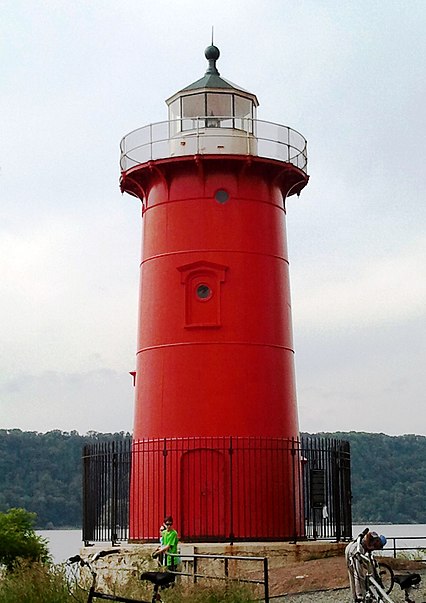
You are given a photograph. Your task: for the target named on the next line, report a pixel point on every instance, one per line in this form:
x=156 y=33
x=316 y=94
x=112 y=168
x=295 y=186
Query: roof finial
x=212 y=34
x=212 y=54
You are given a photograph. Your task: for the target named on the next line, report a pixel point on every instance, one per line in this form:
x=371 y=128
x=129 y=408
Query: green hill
x=388 y=477
x=41 y=472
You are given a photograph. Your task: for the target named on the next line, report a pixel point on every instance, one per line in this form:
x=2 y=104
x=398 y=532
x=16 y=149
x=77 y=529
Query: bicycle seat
x=159 y=578
x=407 y=580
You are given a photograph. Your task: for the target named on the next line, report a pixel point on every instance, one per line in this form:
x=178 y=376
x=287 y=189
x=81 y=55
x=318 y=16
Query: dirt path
x=331 y=574
x=318 y=574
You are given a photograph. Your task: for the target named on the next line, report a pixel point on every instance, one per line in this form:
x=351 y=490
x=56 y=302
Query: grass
x=207 y=591
x=212 y=593
x=41 y=583
x=36 y=583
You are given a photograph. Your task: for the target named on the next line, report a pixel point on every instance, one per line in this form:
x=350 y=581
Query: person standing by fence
x=169 y=544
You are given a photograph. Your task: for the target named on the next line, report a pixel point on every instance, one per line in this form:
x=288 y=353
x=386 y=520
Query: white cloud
x=78 y=76
x=369 y=292
x=98 y=400
x=66 y=298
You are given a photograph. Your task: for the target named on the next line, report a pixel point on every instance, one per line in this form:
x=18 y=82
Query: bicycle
x=380 y=579
x=160 y=580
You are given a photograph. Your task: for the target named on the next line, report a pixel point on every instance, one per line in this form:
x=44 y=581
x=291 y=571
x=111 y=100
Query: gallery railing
x=319 y=468
x=213 y=135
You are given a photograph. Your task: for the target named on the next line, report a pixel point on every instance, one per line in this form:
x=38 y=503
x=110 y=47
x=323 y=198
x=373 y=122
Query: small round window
x=203 y=291
x=221 y=196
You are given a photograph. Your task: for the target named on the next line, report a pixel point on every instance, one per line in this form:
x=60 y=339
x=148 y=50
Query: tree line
x=42 y=473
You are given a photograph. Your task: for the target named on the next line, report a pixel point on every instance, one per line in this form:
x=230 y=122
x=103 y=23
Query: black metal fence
x=320 y=471
x=106 y=487
x=327 y=488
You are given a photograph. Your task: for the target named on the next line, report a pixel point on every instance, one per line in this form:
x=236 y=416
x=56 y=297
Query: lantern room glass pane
x=243 y=107
x=219 y=104
x=174 y=115
x=193 y=106
x=174 y=109
x=244 y=114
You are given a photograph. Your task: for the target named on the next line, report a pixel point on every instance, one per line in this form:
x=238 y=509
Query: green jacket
x=170 y=538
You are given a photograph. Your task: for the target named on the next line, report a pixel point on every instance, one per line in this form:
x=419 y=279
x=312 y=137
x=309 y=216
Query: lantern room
x=212 y=103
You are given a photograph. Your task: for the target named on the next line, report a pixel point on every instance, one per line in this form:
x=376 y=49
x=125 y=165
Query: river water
x=65 y=543
x=62 y=543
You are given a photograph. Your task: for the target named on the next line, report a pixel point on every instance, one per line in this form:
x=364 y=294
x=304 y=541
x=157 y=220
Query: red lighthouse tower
x=215 y=410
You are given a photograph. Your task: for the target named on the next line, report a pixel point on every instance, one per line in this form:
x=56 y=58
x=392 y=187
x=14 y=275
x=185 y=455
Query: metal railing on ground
x=416 y=549
x=193 y=561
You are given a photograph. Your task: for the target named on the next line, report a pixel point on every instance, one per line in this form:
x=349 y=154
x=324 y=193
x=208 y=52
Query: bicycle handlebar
x=74 y=559
x=100 y=554
x=94 y=557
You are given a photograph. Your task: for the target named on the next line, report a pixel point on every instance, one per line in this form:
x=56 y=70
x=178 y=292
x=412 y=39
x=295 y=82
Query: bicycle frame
x=93 y=594
x=374 y=590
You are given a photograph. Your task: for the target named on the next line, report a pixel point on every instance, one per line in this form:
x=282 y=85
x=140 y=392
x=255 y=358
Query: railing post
x=266 y=579
x=288 y=144
x=150 y=141
x=248 y=139
x=198 y=135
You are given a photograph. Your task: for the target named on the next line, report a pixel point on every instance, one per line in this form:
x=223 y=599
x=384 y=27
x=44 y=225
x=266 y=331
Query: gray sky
x=77 y=76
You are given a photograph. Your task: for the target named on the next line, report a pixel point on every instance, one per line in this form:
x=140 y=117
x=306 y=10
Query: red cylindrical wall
x=215 y=349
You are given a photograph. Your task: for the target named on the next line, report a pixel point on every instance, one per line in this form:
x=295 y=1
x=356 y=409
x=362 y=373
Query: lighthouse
x=215 y=423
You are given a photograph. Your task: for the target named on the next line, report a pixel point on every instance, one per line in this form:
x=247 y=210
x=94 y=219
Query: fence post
x=114 y=483
x=88 y=499
x=231 y=494
x=338 y=490
x=165 y=478
x=293 y=456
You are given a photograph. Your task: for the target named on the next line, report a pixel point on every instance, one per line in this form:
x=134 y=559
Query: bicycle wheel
x=386 y=576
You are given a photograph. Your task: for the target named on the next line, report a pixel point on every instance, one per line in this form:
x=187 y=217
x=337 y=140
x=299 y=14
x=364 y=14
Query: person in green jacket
x=169 y=544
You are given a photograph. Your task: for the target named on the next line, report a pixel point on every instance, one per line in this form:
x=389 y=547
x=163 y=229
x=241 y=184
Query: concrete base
x=278 y=553
x=134 y=558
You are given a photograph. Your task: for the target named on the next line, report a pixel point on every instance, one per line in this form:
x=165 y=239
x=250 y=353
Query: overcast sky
x=77 y=76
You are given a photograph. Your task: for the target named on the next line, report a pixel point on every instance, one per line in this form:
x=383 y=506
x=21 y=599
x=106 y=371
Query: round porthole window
x=203 y=292
x=221 y=196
